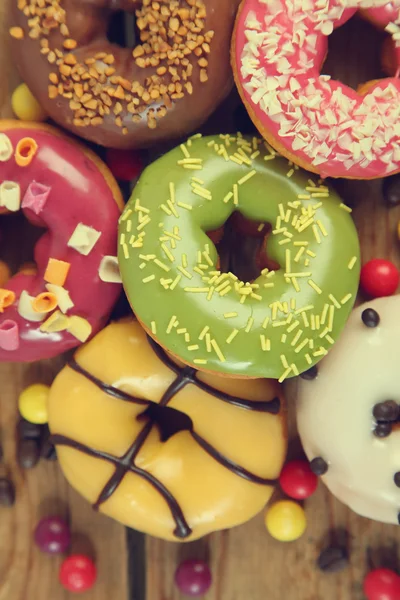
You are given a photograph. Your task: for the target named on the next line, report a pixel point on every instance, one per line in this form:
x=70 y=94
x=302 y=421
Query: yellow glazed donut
x=159 y=446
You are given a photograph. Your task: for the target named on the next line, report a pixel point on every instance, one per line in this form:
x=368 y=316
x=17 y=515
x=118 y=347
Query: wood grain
x=25 y=573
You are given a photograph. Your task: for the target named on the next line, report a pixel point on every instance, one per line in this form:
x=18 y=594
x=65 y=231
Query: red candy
x=78 y=573
x=382 y=584
x=52 y=535
x=193 y=577
x=379 y=278
x=297 y=480
x=125 y=165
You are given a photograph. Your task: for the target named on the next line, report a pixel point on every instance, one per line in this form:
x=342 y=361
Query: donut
x=165 y=87
x=275 y=326
x=134 y=436
x=322 y=125
x=348 y=411
x=60 y=186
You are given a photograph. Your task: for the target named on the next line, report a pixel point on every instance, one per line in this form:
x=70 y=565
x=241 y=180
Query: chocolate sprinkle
x=396 y=478
x=319 y=466
x=184 y=376
x=370 y=317
x=310 y=374
x=382 y=430
x=387 y=411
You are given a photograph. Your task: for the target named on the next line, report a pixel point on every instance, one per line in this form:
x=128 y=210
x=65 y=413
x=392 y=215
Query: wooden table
x=247 y=564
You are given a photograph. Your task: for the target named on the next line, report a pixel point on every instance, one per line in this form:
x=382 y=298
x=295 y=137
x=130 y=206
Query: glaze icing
x=278 y=325
x=63 y=186
x=135 y=464
x=279 y=49
x=336 y=412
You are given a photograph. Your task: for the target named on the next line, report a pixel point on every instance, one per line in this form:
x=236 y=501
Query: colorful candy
x=382 y=584
x=297 y=480
x=32 y=403
x=286 y=521
x=25 y=105
x=379 y=278
x=78 y=573
x=52 y=535
x=193 y=578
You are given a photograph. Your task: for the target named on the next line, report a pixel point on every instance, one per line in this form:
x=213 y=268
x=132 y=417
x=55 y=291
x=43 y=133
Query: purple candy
x=193 y=577
x=52 y=535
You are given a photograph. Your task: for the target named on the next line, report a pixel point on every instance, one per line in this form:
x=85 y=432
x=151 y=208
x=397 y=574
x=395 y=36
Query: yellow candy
x=286 y=521
x=32 y=403
x=25 y=105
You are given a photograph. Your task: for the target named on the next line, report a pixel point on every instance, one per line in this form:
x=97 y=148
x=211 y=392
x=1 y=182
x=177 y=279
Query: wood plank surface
x=26 y=573
x=246 y=563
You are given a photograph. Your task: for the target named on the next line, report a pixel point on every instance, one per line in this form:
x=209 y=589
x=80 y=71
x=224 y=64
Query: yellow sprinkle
x=299 y=253
x=320 y=352
x=193 y=347
x=265 y=323
x=281 y=211
x=190 y=161
x=247 y=177
x=334 y=301
x=293 y=326
x=293 y=303
x=316 y=234
x=196 y=290
x=142 y=265
x=126 y=215
x=346 y=298
x=344 y=207
x=290 y=173
x=235 y=194
x=171 y=323
x=168 y=253
x=228 y=197
x=255 y=154
x=284 y=375
x=181 y=330
x=256 y=297
x=303 y=196
x=268 y=285
x=299 y=274
x=279 y=323
x=307 y=262
x=203 y=332
x=143 y=224
x=129 y=226
x=236 y=160
x=331 y=316
x=301 y=346
x=314 y=286
x=284 y=361
x=308 y=359
x=185 y=151
x=232 y=336
x=324 y=313
x=305 y=319
x=208 y=259
x=300 y=243
x=311 y=253
x=197 y=180
x=217 y=350
x=295 y=284
x=352 y=262
x=165 y=209
x=198 y=270
x=270 y=274
x=175 y=282
x=200 y=361
x=172 y=209
x=230 y=315
x=225 y=291
x=324 y=332
x=185 y=272
x=202 y=193
x=283 y=338
x=153 y=327
x=288 y=260
x=149 y=278
x=183 y=205
x=243 y=299
x=294 y=369
x=297 y=337
x=122 y=239
x=285 y=241
x=269 y=157
x=322 y=228
x=330 y=339
x=312 y=318
x=126 y=251
x=210 y=293
x=161 y=265
x=311 y=344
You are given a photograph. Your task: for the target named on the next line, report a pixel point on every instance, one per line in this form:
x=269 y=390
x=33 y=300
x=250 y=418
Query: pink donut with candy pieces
x=66 y=189
x=322 y=125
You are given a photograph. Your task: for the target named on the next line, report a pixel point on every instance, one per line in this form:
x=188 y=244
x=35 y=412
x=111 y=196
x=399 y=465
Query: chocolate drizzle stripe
x=271 y=406
x=105 y=387
x=182 y=529
x=184 y=376
x=229 y=464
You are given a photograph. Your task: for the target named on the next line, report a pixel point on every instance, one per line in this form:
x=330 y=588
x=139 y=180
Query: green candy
x=277 y=326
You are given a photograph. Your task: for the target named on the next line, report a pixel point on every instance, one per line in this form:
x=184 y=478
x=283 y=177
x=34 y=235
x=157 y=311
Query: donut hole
x=17 y=241
x=343 y=58
x=242 y=248
x=168 y=421
x=122 y=30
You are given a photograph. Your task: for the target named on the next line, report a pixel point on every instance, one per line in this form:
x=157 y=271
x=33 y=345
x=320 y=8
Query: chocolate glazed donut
x=118 y=97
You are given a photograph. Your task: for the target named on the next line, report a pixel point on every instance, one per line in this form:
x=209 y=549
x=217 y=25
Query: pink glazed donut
x=61 y=186
x=320 y=124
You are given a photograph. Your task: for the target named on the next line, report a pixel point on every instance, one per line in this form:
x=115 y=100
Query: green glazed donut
x=277 y=326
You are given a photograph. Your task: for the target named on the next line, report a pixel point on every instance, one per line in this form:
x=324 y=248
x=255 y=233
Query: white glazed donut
x=348 y=412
